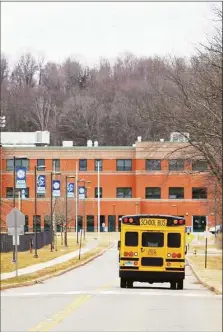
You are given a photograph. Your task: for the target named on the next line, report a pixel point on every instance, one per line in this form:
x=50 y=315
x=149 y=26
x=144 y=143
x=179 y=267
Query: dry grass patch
x=54 y=269
x=26 y=258
x=218 y=241
x=214 y=262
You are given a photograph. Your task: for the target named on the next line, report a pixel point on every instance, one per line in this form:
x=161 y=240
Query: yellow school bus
x=152 y=249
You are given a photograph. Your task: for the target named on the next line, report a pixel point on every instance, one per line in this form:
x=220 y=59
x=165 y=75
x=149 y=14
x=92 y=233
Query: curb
x=211 y=288
x=57 y=274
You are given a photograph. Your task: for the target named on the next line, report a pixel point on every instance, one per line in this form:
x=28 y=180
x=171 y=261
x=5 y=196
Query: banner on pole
x=56 y=188
x=23 y=193
x=70 y=189
x=41 y=184
x=81 y=192
x=20 y=178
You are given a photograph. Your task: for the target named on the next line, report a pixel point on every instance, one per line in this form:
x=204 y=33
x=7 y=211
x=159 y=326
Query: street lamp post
x=51 y=208
x=14 y=191
x=65 y=238
x=2 y=125
x=84 y=214
x=35 y=204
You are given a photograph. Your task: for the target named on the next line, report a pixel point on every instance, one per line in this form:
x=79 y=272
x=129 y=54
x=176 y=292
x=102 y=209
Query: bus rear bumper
x=152 y=276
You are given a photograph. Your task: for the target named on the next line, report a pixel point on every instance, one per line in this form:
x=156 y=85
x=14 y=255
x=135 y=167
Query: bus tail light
x=131 y=220
x=181 y=222
x=130 y=253
x=126 y=253
x=125 y=220
x=174 y=255
x=175 y=222
x=178 y=255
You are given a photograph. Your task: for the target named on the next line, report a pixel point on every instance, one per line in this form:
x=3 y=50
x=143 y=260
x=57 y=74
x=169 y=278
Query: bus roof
x=152 y=215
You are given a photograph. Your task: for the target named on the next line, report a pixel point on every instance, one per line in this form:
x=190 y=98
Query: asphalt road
x=90 y=299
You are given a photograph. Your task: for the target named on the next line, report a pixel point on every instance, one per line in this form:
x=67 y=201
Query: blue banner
x=81 y=192
x=41 y=184
x=70 y=189
x=20 y=177
x=56 y=188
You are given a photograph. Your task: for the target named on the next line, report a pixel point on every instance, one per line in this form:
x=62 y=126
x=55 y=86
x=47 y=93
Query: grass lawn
x=212 y=275
x=26 y=258
x=214 y=262
x=56 y=268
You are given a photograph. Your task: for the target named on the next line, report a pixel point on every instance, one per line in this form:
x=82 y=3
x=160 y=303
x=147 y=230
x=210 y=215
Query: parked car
x=217 y=229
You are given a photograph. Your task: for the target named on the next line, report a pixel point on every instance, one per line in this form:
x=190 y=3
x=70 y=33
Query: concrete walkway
x=36 y=267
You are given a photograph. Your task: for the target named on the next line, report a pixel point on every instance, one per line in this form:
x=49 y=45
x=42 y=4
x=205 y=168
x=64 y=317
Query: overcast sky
x=90 y=30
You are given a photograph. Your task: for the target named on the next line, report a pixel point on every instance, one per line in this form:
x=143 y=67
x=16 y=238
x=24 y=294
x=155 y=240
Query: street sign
x=15 y=220
x=17 y=241
x=15 y=216
x=20 y=230
x=190 y=238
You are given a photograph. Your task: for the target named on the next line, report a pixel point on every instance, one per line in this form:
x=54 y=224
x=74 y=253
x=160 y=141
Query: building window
x=40 y=195
x=153 y=164
x=153 y=192
x=47 y=223
x=199 y=165
x=96 y=164
x=199 y=223
x=124 y=164
x=26 y=226
x=38 y=223
x=90 y=223
x=83 y=164
x=96 y=192
x=56 y=165
x=23 y=162
x=124 y=192
x=9 y=192
x=9 y=164
x=111 y=223
x=176 y=193
x=176 y=165
x=40 y=162
x=199 y=193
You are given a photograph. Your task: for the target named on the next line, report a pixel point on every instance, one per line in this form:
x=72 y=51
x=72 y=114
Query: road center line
x=49 y=323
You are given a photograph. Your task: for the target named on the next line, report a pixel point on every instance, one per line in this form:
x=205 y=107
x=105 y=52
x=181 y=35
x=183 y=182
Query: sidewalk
x=211 y=276
x=37 y=267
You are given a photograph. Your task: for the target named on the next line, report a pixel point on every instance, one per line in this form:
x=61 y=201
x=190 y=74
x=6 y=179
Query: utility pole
x=98 y=201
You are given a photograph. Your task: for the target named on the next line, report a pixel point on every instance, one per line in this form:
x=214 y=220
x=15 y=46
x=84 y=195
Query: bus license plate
x=153 y=222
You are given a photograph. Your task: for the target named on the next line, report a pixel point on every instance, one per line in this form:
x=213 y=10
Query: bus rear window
x=131 y=239
x=152 y=239
x=173 y=240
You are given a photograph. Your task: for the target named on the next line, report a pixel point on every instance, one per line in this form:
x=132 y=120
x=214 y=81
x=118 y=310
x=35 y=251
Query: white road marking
x=133 y=292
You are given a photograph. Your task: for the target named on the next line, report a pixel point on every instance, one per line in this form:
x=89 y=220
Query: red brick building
x=148 y=177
